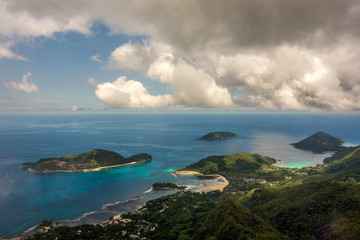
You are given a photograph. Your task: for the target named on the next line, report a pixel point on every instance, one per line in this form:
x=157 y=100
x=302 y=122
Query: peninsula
x=217 y=136
x=320 y=142
x=94 y=160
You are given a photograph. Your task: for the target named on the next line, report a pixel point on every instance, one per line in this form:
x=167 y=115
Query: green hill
x=320 y=142
x=347 y=159
x=217 y=136
x=96 y=159
x=313 y=210
x=233 y=221
x=238 y=162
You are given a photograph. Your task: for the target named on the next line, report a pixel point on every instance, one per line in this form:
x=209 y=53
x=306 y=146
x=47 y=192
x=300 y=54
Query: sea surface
x=26 y=198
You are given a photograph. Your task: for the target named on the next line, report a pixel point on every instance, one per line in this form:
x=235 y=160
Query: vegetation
x=93 y=159
x=347 y=159
x=320 y=142
x=262 y=201
x=238 y=162
x=167 y=186
x=176 y=216
x=319 y=209
x=217 y=136
x=232 y=221
x=45 y=223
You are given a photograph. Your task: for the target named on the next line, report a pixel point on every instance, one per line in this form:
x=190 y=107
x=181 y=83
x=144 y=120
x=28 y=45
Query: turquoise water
x=26 y=198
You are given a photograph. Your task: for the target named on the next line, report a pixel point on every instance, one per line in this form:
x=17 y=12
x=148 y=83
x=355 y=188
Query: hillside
x=239 y=162
x=217 y=136
x=320 y=142
x=324 y=209
x=96 y=159
x=347 y=159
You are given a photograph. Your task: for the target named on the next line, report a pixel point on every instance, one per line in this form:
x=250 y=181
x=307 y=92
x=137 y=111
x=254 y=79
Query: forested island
x=94 y=160
x=320 y=142
x=262 y=201
x=217 y=136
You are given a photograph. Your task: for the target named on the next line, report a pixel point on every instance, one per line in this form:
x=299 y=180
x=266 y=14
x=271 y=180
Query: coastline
x=210 y=188
x=222 y=180
x=92 y=169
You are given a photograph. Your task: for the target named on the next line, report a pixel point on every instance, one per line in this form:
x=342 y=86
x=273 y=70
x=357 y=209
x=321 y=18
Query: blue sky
x=180 y=55
x=61 y=66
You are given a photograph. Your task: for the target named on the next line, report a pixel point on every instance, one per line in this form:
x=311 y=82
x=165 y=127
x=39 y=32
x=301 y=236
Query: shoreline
x=210 y=188
x=207 y=188
x=92 y=169
x=114 y=166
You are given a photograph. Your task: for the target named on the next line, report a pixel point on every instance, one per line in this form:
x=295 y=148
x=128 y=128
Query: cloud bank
x=275 y=54
x=24 y=85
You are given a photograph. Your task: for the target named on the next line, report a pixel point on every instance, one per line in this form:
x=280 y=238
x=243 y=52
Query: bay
x=27 y=198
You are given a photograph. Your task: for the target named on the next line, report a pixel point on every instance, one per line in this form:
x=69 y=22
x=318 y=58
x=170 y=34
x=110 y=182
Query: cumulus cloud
x=24 y=85
x=136 y=56
x=130 y=93
x=268 y=54
x=191 y=86
x=5 y=52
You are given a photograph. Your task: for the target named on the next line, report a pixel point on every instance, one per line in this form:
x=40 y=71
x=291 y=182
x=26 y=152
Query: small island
x=217 y=136
x=94 y=160
x=320 y=142
x=167 y=186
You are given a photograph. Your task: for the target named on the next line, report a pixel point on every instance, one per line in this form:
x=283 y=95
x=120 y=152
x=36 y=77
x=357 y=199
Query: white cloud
x=96 y=58
x=18 y=22
x=136 y=56
x=24 y=85
x=5 y=52
x=274 y=54
x=92 y=81
x=286 y=78
x=130 y=93
x=191 y=86
x=130 y=56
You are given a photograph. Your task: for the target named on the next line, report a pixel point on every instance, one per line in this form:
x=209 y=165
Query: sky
x=166 y=55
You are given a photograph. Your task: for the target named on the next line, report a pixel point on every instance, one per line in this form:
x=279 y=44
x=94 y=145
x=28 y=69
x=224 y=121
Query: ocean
x=26 y=198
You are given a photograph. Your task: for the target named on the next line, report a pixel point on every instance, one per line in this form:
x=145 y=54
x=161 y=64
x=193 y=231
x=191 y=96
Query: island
x=167 y=186
x=217 y=136
x=320 y=142
x=94 y=160
x=261 y=201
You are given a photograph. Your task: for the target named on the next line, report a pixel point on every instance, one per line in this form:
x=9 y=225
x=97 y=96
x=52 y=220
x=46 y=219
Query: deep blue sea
x=27 y=198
